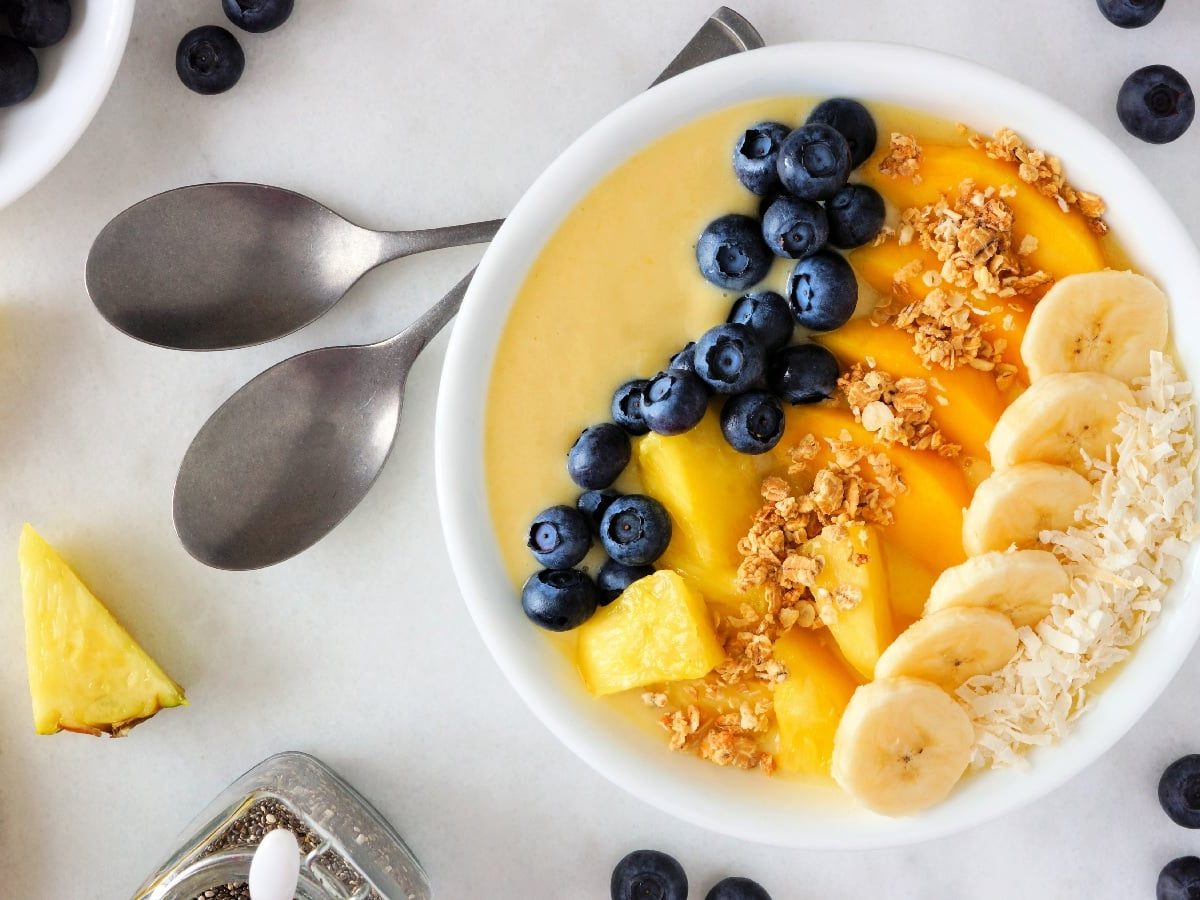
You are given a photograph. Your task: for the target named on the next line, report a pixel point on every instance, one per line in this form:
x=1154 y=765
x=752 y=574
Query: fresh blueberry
x=756 y=156
x=856 y=215
x=18 y=71
x=731 y=253
x=635 y=530
x=258 y=15
x=684 y=360
x=1156 y=104
x=737 y=889
x=614 y=577
x=823 y=291
x=1130 y=13
x=675 y=402
x=730 y=359
x=627 y=406
x=559 y=537
x=1179 y=791
x=814 y=162
x=209 y=60
x=752 y=422
x=649 y=875
x=852 y=121
x=766 y=314
x=598 y=456
x=795 y=228
x=804 y=373
x=559 y=599
x=1179 y=879
x=594 y=504
x=39 y=23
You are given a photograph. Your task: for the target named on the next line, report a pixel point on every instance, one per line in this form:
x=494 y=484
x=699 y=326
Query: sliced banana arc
x=1096 y=322
x=950 y=646
x=1020 y=584
x=901 y=746
x=1016 y=505
x=1060 y=417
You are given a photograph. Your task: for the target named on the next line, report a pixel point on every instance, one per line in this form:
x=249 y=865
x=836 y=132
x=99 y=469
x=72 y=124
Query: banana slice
x=1016 y=505
x=950 y=646
x=1018 y=584
x=901 y=746
x=1058 y=418
x=1096 y=322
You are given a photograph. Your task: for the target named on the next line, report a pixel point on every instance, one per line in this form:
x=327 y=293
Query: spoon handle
x=397 y=244
x=409 y=343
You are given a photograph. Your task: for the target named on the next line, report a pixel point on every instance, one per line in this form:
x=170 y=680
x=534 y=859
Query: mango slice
x=810 y=703
x=909 y=583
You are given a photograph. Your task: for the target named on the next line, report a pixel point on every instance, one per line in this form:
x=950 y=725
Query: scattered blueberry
x=627 y=406
x=559 y=599
x=730 y=359
x=795 y=228
x=635 y=530
x=258 y=15
x=675 y=402
x=752 y=422
x=649 y=875
x=766 y=314
x=18 y=71
x=1156 y=104
x=560 y=537
x=1130 y=13
x=731 y=253
x=684 y=360
x=823 y=291
x=852 y=121
x=209 y=60
x=1179 y=879
x=737 y=889
x=614 y=577
x=39 y=23
x=598 y=456
x=814 y=162
x=804 y=373
x=756 y=157
x=594 y=504
x=1179 y=791
x=856 y=215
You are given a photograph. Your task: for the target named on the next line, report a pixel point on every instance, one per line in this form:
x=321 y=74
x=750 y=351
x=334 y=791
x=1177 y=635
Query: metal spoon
x=288 y=456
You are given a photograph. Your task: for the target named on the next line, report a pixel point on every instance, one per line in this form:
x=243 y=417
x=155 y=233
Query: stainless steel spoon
x=288 y=456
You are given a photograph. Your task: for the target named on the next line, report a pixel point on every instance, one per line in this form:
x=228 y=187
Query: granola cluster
x=895 y=410
x=727 y=739
x=903 y=159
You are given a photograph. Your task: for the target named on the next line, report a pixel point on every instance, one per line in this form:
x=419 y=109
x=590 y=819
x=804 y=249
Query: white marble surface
x=413 y=114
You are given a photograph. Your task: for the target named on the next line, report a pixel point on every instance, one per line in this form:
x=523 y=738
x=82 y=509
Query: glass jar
x=349 y=850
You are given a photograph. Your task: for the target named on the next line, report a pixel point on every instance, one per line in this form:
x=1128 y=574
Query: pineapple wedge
x=86 y=673
x=810 y=703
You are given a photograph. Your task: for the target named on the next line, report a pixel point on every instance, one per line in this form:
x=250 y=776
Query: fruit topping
x=594 y=504
x=737 y=889
x=258 y=15
x=814 y=162
x=627 y=406
x=673 y=402
x=559 y=537
x=1130 y=13
x=649 y=875
x=1016 y=505
x=39 y=23
x=795 y=228
x=852 y=120
x=730 y=359
x=18 y=71
x=635 y=530
x=804 y=373
x=732 y=254
x=1179 y=791
x=766 y=314
x=598 y=456
x=856 y=214
x=810 y=702
x=1019 y=584
x=559 y=599
x=756 y=157
x=1179 y=879
x=950 y=646
x=614 y=577
x=1156 y=104
x=752 y=422
x=684 y=360
x=209 y=60
x=823 y=291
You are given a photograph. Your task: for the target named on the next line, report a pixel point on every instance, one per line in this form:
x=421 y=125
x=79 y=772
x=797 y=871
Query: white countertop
x=409 y=115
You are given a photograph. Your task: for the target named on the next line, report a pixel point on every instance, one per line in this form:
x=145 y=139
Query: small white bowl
x=75 y=77
x=778 y=811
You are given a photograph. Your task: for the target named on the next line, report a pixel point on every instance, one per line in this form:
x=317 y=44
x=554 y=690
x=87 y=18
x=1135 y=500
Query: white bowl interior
x=749 y=806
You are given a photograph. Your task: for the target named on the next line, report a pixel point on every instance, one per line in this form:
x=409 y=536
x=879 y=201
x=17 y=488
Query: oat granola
x=903 y=159
x=895 y=410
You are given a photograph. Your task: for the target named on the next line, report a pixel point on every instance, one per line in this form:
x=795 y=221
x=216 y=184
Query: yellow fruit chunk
x=86 y=673
x=909 y=583
x=659 y=629
x=809 y=704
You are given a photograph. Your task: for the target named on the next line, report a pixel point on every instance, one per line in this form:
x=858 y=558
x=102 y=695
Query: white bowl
x=778 y=811
x=75 y=77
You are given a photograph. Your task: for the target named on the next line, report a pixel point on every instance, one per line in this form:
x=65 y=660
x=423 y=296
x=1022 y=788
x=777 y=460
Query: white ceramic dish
x=752 y=807
x=75 y=77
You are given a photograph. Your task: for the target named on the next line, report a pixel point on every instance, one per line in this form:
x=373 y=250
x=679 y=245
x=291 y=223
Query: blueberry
x=1179 y=879
x=1179 y=791
x=559 y=537
x=18 y=71
x=730 y=359
x=39 y=23
x=766 y=314
x=258 y=15
x=684 y=360
x=627 y=406
x=752 y=422
x=823 y=291
x=559 y=599
x=795 y=228
x=598 y=456
x=675 y=402
x=635 y=530
x=852 y=121
x=209 y=60
x=594 y=504
x=731 y=253
x=649 y=875
x=737 y=889
x=756 y=156
x=804 y=373
x=614 y=577
x=856 y=215
x=1156 y=104
x=1130 y=13
x=814 y=162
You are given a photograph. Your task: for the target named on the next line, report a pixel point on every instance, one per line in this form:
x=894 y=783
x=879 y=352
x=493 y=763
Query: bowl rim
x=931 y=82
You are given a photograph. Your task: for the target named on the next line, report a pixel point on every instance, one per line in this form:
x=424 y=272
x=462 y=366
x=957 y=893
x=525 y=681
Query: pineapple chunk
x=86 y=673
x=909 y=583
x=659 y=629
x=810 y=703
